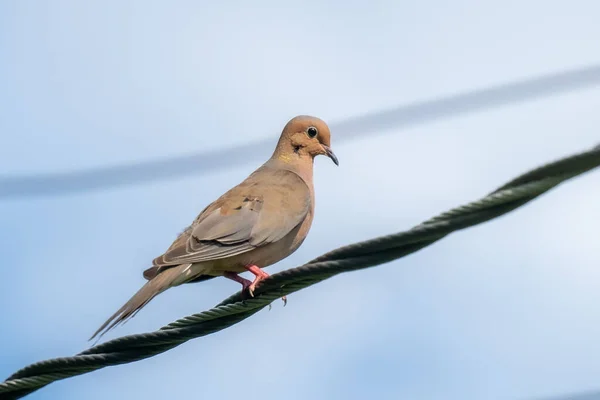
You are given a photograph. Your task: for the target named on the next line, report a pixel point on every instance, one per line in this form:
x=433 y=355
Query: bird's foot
x=235 y=277
x=259 y=276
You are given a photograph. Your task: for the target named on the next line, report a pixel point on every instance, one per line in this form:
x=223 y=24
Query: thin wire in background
x=591 y=395
x=203 y=163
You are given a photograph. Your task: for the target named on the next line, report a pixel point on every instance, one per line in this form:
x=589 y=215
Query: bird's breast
x=275 y=252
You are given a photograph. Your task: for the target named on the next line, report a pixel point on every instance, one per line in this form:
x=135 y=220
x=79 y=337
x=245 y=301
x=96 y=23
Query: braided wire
x=352 y=257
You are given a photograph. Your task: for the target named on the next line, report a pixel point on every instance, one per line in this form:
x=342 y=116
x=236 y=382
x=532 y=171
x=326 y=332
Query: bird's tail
x=168 y=278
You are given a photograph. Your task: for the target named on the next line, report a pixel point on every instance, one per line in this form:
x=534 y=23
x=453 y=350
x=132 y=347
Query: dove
x=255 y=224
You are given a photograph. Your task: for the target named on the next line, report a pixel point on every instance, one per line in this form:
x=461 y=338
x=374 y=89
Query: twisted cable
x=352 y=257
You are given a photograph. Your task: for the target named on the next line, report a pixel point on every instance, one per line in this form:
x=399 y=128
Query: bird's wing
x=261 y=210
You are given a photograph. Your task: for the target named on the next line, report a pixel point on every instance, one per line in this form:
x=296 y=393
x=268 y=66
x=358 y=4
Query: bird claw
x=249 y=287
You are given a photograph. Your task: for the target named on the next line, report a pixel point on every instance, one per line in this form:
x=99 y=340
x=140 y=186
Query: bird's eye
x=312 y=132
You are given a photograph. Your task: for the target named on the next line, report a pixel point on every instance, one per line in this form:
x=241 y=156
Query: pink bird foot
x=259 y=275
x=235 y=277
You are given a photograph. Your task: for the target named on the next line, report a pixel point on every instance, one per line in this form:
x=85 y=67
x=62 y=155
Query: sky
x=505 y=310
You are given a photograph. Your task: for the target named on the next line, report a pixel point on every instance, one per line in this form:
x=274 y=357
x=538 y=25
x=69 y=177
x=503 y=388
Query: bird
x=253 y=225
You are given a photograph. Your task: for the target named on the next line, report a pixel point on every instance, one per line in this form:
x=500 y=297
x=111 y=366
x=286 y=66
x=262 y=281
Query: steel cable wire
x=348 y=258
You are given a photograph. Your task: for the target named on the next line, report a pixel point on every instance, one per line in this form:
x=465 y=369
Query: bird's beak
x=331 y=154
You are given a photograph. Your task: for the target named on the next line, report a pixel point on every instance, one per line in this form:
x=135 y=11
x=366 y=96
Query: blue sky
x=506 y=310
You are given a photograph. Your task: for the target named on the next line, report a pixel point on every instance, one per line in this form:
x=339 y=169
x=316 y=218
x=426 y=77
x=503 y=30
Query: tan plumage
x=255 y=224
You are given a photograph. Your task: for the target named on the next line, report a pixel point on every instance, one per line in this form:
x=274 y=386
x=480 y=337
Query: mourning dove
x=257 y=223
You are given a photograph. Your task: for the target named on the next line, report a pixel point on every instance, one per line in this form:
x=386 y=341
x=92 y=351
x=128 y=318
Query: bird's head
x=305 y=136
